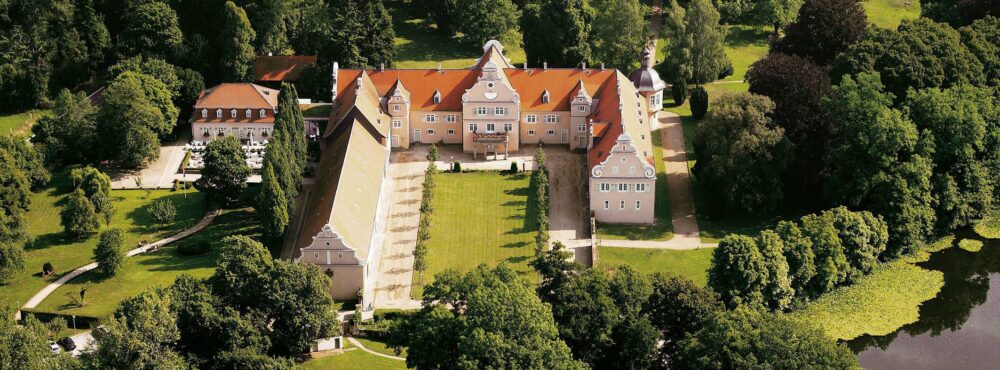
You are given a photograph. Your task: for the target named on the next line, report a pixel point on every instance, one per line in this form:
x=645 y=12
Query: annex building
x=491 y=108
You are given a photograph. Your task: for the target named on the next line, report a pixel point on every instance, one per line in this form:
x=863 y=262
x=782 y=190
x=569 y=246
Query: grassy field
x=380 y=347
x=664 y=228
x=66 y=254
x=744 y=46
x=691 y=264
x=888 y=13
x=352 y=360
x=20 y=122
x=145 y=271
x=420 y=45
x=878 y=303
x=480 y=217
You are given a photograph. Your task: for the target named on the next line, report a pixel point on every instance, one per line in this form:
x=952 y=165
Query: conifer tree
x=237 y=48
x=272 y=205
x=293 y=125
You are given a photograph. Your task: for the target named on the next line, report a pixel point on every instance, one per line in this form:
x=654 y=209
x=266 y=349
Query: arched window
x=218 y=113
x=232 y=113
x=204 y=113
x=249 y=113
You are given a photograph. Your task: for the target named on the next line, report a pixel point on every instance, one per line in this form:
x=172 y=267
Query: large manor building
x=490 y=109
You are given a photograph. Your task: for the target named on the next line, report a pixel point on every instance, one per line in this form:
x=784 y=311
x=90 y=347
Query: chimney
x=381 y=67
x=333 y=84
x=602 y=66
x=270 y=54
x=525 y=65
x=545 y=65
x=439 y=66
x=584 y=64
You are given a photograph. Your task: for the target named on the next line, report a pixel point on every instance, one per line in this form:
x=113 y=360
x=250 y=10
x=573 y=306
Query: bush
x=458 y=167
x=110 y=253
x=162 y=211
x=48 y=269
x=193 y=249
x=679 y=91
x=513 y=167
x=727 y=70
x=699 y=102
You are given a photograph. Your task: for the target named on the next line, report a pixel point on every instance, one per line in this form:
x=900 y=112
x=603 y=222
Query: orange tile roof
x=422 y=83
x=617 y=123
x=237 y=95
x=280 y=67
x=560 y=82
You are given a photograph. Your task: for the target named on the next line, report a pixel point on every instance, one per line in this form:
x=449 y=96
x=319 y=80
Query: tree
x=738 y=271
x=237 y=51
x=151 y=28
x=742 y=154
x=747 y=339
x=958 y=13
x=293 y=124
x=797 y=87
x=776 y=13
x=104 y=207
x=473 y=325
x=677 y=52
x=379 y=37
x=14 y=202
x=432 y=153
x=863 y=237
x=877 y=162
x=832 y=267
x=705 y=57
x=778 y=293
x=162 y=211
x=619 y=33
x=677 y=307
x=481 y=21
x=558 y=32
x=29 y=159
x=142 y=334
x=823 y=29
x=272 y=206
x=919 y=54
x=78 y=217
x=110 y=252
x=25 y=347
x=958 y=121
x=270 y=20
x=11 y=261
x=556 y=269
x=69 y=134
x=248 y=359
x=226 y=171
x=130 y=120
x=982 y=38
x=798 y=252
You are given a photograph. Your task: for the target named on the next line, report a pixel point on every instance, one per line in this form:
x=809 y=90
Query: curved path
x=363 y=348
x=45 y=292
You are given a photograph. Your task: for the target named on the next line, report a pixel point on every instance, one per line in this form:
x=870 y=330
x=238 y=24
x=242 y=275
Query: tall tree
x=677 y=49
x=776 y=13
x=798 y=252
x=982 y=38
x=707 y=56
x=237 y=50
x=130 y=120
x=152 y=29
x=142 y=334
x=78 y=217
x=14 y=201
x=958 y=13
x=738 y=272
x=742 y=154
x=69 y=135
x=224 y=177
x=29 y=159
x=778 y=293
x=378 y=45
x=678 y=307
x=110 y=252
x=877 y=161
x=823 y=29
x=269 y=20
x=442 y=12
x=293 y=125
x=558 y=32
x=272 y=206
x=481 y=21
x=25 y=347
x=619 y=33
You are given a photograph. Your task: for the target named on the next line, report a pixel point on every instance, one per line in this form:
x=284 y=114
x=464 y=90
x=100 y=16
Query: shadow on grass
x=421 y=33
x=746 y=36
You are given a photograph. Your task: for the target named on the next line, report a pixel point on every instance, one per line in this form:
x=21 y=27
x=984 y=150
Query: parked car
x=54 y=348
x=67 y=343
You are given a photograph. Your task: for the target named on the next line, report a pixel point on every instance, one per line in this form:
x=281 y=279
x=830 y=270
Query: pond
x=958 y=329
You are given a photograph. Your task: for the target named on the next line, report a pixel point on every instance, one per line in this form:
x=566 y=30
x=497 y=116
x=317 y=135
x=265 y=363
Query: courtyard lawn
x=664 y=228
x=420 y=45
x=52 y=245
x=879 y=303
x=692 y=264
x=20 y=122
x=151 y=270
x=888 y=13
x=353 y=358
x=480 y=218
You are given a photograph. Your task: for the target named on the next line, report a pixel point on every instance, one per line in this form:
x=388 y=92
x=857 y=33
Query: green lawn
x=66 y=254
x=879 y=303
x=664 y=228
x=691 y=264
x=744 y=46
x=145 y=271
x=888 y=13
x=380 y=347
x=353 y=360
x=420 y=45
x=480 y=217
x=20 y=122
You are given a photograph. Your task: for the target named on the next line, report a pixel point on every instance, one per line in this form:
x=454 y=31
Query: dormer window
x=249 y=113
x=545 y=96
x=204 y=113
x=218 y=113
x=437 y=97
x=263 y=113
x=232 y=113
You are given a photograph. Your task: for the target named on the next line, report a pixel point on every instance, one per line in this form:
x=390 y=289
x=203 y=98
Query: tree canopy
x=226 y=171
x=558 y=32
x=823 y=29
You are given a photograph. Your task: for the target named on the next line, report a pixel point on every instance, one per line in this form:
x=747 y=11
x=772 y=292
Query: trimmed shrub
x=679 y=91
x=699 y=102
x=458 y=167
x=48 y=269
x=513 y=167
x=727 y=70
x=193 y=249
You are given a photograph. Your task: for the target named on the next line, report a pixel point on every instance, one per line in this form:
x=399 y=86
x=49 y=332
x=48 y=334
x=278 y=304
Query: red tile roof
x=561 y=84
x=280 y=67
x=237 y=95
x=421 y=83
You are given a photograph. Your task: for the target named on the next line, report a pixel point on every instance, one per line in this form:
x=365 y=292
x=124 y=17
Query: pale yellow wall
x=615 y=213
x=196 y=130
x=440 y=127
x=541 y=128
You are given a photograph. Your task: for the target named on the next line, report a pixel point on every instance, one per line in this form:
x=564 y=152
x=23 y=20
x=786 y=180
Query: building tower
x=648 y=82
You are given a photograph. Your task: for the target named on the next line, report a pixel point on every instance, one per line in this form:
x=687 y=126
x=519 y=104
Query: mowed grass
x=66 y=253
x=151 y=270
x=353 y=359
x=744 y=45
x=380 y=347
x=480 y=218
x=888 y=13
x=20 y=122
x=881 y=302
x=419 y=44
x=663 y=229
x=692 y=264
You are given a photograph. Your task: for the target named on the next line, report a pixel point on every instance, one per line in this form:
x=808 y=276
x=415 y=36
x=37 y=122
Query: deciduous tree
x=226 y=171
x=677 y=307
x=28 y=158
x=823 y=29
x=78 y=217
x=738 y=272
x=481 y=21
x=151 y=28
x=237 y=50
x=130 y=120
x=110 y=252
x=619 y=33
x=558 y=32
x=69 y=134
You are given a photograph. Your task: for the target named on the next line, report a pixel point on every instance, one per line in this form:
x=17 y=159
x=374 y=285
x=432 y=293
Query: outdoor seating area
x=254 y=151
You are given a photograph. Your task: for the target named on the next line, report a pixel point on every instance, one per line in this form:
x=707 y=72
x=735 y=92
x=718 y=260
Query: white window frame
x=551 y=118
x=232 y=113
x=640 y=188
x=581 y=108
x=450 y=118
x=500 y=111
x=491 y=127
x=531 y=118
x=508 y=127
x=473 y=127
x=451 y=131
x=480 y=111
x=607 y=205
x=638 y=205
x=204 y=113
x=249 y=113
x=621 y=204
x=551 y=132
x=262 y=113
x=605 y=187
x=430 y=118
x=531 y=132
x=581 y=127
x=397 y=123
x=623 y=187
x=218 y=113
x=395 y=107
x=430 y=131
